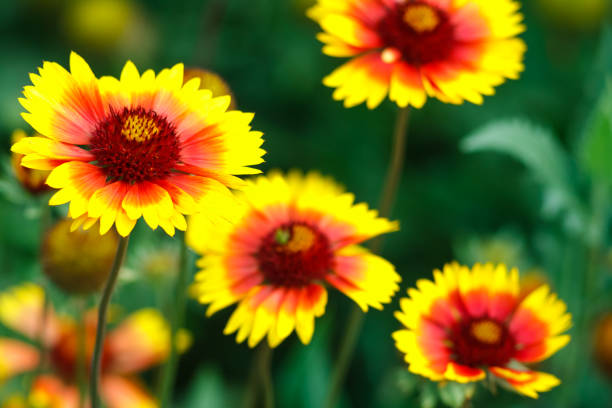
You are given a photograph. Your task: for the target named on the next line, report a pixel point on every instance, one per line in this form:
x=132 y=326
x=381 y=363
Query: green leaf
x=596 y=147
x=539 y=150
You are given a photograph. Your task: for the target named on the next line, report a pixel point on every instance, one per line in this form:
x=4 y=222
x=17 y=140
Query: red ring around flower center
x=135 y=145
x=482 y=342
x=417 y=32
x=294 y=254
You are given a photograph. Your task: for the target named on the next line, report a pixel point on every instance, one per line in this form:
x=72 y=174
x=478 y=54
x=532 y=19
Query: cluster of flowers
x=163 y=146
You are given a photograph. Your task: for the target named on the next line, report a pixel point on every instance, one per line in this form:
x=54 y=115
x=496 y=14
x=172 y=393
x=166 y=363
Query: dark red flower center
x=482 y=342
x=416 y=32
x=295 y=255
x=135 y=145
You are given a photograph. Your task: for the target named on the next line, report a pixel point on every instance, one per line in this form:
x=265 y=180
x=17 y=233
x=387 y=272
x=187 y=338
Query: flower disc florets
x=135 y=145
x=295 y=255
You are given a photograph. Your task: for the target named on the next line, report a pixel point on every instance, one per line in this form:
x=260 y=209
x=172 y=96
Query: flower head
x=139 y=146
x=453 y=50
x=138 y=342
x=288 y=237
x=77 y=261
x=30 y=179
x=467 y=322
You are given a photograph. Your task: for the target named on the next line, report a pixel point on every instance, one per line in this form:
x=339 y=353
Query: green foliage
x=539 y=150
x=595 y=155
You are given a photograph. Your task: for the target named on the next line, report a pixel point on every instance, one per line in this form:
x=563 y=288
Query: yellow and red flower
x=287 y=237
x=467 y=322
x=453 y=50
x=140 y=341
x=139 y=146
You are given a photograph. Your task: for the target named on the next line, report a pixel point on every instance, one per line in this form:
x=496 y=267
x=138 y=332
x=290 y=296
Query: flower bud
x=78 y=262
x=30 y=179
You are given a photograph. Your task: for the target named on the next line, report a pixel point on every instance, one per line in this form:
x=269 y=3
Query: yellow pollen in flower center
x=302 y=239
x=421 y=18
x=486 y=331
x=139 y=128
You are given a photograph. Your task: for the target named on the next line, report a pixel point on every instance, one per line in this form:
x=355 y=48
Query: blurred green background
x=480 y=206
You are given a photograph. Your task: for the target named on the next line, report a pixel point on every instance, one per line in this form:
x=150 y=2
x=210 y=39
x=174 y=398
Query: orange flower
x=453 y=50
x=467 y=322
x=140 y=146
x=137 y=343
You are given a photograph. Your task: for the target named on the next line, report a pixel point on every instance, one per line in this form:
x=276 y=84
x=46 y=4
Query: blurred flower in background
x=105 y=27
x=453 y=51
x=577 y=15
x=77 y=261
x=603 y=344
x=139 y=146
x=15 y=401
x=139 y=342
x=213 y=82
x=32 y=180
x=470 y=322
x=290 y=235
x=50 y=392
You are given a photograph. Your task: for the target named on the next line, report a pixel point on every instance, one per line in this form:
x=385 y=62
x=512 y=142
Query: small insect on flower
x=452 y=50
x=469 y=322
x=34 y=181
x=137 y=343
x=139 y=146
x=288 y=237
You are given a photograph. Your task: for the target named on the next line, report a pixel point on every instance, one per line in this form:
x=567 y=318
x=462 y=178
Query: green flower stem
x=355 y=321
x=265 y=371
x=260 y=377
x=177 y=317
x=94 y=378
